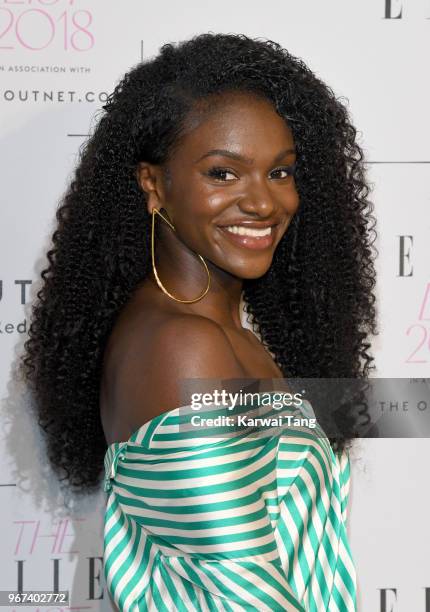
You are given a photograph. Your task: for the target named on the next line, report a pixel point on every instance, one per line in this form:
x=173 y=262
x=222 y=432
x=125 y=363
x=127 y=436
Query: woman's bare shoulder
x=180 y=345
x=152 y=355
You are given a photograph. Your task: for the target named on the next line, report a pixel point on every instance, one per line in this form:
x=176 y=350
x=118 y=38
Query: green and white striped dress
x=210 y=521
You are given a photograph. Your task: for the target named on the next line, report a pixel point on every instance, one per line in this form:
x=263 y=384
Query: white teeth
x=249 y=231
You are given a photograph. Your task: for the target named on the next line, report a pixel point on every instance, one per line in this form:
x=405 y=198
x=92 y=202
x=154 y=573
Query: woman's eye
x=220 y=174
x=224 y=174
x=285 y=171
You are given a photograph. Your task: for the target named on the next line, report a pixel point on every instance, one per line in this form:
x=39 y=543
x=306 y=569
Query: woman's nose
x=258 y=199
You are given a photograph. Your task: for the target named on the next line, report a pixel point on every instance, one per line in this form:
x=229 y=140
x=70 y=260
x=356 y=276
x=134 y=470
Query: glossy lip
x=250 y=242
x=255 y=224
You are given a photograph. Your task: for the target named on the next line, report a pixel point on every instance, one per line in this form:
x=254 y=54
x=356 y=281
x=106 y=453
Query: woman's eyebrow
x=236 y=156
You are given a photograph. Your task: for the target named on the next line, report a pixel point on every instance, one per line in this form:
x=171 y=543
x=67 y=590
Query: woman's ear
x=149 y=179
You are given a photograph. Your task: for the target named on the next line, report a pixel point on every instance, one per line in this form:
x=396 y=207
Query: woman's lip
x=250 y=242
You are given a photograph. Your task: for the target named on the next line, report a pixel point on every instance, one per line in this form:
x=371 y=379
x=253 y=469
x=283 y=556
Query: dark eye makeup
x=219 y=172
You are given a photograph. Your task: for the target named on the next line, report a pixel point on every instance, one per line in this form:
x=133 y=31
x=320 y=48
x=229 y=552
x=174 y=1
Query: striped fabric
x=227 y=521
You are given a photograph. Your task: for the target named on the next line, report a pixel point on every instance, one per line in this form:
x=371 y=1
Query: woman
x=222 y=173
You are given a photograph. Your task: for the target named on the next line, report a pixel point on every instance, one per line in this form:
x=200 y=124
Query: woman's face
x=230 y=191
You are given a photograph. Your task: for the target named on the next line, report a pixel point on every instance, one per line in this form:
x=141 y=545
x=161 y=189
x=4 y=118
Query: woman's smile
x=250 y=235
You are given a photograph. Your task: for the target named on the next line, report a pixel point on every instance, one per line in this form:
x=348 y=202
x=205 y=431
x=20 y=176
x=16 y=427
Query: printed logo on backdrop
x=64 y=28
x=394 y=9
x=19 y=291
x=419 y=331
x=388 y=600
x=56 y=25
x=405 y=256
x=44 y=558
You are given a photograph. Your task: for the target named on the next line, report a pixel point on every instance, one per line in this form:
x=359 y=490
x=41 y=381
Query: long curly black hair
x=315 y=307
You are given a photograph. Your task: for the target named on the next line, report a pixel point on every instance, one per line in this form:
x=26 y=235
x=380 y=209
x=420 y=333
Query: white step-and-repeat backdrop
x=58 y=61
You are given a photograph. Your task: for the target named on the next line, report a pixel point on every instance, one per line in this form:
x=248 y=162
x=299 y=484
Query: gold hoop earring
x=159 y=283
